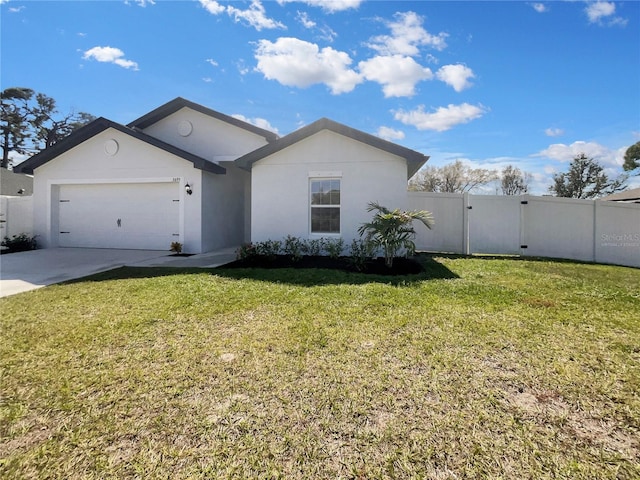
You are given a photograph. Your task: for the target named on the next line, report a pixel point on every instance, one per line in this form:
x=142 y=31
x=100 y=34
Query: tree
x=15 y=114
x=632 y=158
x=453 y=178
x=31 y=122
x=585 y=179
x=513 y=181
x=49 y=129
x=392 y=230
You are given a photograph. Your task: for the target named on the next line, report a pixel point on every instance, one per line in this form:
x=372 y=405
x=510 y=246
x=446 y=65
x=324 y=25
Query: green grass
x=480 y=368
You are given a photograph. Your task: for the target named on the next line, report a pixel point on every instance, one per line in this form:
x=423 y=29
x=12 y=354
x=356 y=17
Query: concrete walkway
x=24 y=271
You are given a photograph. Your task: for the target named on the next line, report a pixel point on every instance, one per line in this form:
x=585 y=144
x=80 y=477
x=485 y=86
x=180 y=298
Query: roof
x=415 y=160
x=101 y=124
x=632 y=195
x=12 y=183
x=176 y=104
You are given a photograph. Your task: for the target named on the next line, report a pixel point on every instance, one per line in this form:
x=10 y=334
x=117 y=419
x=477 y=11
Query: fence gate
x=495 y=224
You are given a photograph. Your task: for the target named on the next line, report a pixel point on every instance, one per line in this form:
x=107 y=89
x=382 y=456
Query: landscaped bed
x=401 y=266
x=473 y=368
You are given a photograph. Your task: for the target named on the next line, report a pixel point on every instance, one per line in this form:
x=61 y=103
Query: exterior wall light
x=187 y=188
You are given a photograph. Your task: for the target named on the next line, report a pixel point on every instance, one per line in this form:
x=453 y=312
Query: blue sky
x=530 y=84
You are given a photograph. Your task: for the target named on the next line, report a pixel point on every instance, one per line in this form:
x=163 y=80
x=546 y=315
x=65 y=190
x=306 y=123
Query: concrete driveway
x=24 y=271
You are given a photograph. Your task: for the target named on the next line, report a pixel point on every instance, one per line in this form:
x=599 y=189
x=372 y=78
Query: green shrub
x=176 y=247
x=361 y=252
x=20 y=243
x=246 y=250
x=269 y=248
x=334 y=247
x=313 y=247
x=293 y=247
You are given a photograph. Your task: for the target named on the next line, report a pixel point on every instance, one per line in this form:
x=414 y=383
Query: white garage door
x=132 y=215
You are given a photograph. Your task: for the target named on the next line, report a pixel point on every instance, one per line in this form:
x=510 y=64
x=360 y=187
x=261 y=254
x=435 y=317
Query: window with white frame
x=325 y=205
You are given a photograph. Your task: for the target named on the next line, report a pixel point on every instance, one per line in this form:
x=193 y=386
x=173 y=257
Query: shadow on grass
x=307 y=277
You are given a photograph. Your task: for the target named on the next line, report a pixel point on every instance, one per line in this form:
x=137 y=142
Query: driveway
x=23 y=271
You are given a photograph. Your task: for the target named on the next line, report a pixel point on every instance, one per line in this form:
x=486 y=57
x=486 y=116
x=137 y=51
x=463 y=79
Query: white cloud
x=397 y=74
x=140 y=3
x=297 y=63
x=566 y=153
x=598 y=11
x=442 y=119
x=211 y=6
x=407 y=34
x=110 y=55
x=330 y=6
x=258 y=122
x=554 y=132
x=390 y=134
x=456 y=76
x=304 y=19
x=540 y=7
x=211 y=62
x=16 y=9
x=255 y=16
x=207 y=79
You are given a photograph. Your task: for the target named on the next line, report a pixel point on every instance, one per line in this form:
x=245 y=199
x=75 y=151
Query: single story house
x=186 y=173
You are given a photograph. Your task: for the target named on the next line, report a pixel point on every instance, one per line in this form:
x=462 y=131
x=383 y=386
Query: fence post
x=466 y=248
x=524 y=201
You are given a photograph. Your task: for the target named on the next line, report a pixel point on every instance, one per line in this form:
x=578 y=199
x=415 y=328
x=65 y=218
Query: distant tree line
x=458 y=177
x=31 y=122
x=585 y=178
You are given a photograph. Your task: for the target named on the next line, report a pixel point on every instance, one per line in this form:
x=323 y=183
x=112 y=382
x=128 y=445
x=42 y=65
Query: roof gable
x=99 y=125
x=414 y=159
x=177 y=103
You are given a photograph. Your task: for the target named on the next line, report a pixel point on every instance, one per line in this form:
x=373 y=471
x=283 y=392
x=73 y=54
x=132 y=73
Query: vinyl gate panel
x=494 y=224
x=124 y=215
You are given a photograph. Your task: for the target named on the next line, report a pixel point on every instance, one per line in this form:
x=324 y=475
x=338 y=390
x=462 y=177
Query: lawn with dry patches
x=477 y=368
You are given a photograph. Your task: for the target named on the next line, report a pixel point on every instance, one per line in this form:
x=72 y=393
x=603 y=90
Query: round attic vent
x=185 y=128
x=111 y=147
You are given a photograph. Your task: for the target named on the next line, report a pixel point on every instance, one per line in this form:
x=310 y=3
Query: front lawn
x=477 y=368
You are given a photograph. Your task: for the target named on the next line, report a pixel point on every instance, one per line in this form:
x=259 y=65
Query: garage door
x=132 y=216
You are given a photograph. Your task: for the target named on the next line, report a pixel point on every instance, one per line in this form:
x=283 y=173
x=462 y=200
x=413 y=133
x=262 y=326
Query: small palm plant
x=392 y=230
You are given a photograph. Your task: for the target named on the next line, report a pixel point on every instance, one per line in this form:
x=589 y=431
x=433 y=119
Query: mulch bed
x=401 y=266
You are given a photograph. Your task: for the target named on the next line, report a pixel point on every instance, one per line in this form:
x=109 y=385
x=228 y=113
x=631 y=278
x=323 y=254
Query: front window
x=325 y=206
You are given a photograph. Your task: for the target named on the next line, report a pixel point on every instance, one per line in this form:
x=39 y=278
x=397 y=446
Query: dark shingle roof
x=415 y=160
x=100 y=125
x=176 y=104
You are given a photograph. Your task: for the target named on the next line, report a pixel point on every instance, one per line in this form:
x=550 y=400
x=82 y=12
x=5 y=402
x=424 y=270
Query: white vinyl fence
x=16 y=216
x=588 y=230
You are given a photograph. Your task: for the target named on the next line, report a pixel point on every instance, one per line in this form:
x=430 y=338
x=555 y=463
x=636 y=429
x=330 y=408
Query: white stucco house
x=186 y=173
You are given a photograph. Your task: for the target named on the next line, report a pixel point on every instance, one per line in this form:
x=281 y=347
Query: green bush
x=293 y=247
x=334 y=247
x=20 y=243
x=313 y=247
x=269 y=248
x=246 y=250
x=361 y=252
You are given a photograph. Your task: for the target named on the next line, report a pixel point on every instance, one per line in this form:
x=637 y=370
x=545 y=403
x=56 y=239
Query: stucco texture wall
x=205 y=136
x=280 y=183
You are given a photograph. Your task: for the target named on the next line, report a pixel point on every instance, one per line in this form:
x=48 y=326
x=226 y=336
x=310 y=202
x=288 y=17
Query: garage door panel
x=132 y=216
